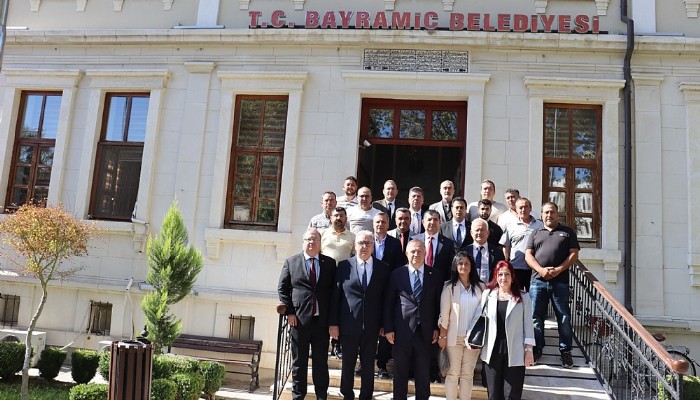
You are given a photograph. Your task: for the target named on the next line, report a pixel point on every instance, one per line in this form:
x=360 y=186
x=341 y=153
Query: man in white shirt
x=323 y=220
x=415 y=205
x=349 y=199
x=515 y=237
x=511 y=215
x=443 y=207
x=360 y=217
x=488 y=191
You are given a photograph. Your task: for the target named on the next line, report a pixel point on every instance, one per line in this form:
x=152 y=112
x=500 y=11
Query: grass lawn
x=39 y=389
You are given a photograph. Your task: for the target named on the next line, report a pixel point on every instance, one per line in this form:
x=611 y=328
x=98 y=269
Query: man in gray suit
x=443 y=207
x=305 y=288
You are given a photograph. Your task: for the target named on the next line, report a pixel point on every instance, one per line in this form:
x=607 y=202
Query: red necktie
x=429 y=256
x=312 y=279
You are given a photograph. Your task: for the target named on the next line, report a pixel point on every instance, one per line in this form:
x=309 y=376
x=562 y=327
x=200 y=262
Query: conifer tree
x=173 y=270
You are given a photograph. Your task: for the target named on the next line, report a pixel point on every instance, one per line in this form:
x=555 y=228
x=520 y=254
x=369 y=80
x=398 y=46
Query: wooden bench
x=249 y=348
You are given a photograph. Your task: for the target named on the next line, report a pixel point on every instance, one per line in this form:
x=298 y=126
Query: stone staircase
x=545 y=381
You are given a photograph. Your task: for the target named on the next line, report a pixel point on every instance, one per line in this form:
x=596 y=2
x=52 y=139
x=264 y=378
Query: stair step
x=437 y=392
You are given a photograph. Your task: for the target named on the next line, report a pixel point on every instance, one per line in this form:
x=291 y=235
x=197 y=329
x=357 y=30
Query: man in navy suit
x=386 y=248
x=356 y=313
x=443 y=249
x=411 y=309
x=305 y=287
x=486 y=256
x=457 y=229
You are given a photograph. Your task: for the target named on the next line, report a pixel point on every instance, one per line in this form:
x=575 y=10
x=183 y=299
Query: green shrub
x=50 y=363
x=213 y=373
x=691 y=388
x=163 y=389
x=189 y=386
x=11 y=359
x=84 y=365
x=167 y=365
x=103 y=363
x=89 y=391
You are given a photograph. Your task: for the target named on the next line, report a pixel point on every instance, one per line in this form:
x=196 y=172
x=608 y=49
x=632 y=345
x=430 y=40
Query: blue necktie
x=458 y=238
x=417 y=287
x=364 y=276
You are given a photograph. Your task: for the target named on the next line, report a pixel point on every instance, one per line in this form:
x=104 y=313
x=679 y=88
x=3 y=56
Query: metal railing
x=627 y=359
x=283 y=359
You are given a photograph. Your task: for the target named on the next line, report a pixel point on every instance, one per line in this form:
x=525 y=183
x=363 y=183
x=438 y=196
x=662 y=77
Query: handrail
x=627 y=359
x=283 y=357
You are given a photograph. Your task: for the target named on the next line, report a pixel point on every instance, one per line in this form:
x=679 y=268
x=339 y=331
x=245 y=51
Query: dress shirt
x=369 y=265
x=427 y=245
x=468 y=306
x=415 y=221
x=463 y=230
x=484 y=267
x=379 y=247
x=307 y=259
x=412 y=275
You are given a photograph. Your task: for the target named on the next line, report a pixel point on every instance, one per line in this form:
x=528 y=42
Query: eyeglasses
x=364 y=243
x=312 y=239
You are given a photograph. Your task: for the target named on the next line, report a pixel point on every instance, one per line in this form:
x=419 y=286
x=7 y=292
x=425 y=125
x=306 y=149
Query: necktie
x=429 y=257
x=483 y=272
x=391 y=210
x=364 y=276
x=403 y=242
x=448 y=212
x=458 y=238
x=417 y=287
x=312 y=279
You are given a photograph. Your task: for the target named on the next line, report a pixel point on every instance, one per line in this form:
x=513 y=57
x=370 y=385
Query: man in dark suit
x=386 y=248
x=411 y=310
x=305 y=287
x=457 y=229
x=389 y=204
x=403 y=229
x=356 y=313
x=443 y=249
x=485 y=255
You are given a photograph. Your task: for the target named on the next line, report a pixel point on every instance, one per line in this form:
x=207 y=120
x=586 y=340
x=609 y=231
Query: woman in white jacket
x=459 y=304
x=509 y=334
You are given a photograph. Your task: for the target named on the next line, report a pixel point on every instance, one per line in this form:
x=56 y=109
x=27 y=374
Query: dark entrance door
x=414 y=143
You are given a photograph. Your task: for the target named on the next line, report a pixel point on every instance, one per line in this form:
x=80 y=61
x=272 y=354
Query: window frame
x=104 y=144
x=259 y=152
x=14 y=317
x=100 y=307
x=37 y=143
x=429 y=106
x=571 y=163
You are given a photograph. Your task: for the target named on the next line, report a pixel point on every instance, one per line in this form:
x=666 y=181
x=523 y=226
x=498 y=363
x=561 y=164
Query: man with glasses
x=356 y=313
x=305 y=288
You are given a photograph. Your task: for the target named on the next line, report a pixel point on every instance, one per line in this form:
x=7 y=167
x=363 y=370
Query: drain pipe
x=627 y=97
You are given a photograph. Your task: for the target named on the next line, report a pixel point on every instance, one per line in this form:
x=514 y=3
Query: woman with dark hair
x=459 y=306
x=509 y=334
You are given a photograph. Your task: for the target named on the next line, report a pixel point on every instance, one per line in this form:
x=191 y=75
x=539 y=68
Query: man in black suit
x=411 y=310
x=305 y=287
x=403 y=229
x=386 y=248
x=389 y=204
x=485 y=255
x=443 y=249
x=356 y=313
x=457 y=229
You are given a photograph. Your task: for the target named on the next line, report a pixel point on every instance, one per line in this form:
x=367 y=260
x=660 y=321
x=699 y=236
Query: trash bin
x=130 y=370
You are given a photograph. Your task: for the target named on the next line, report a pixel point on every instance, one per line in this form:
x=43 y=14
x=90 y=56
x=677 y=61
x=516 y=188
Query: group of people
x=392 y=279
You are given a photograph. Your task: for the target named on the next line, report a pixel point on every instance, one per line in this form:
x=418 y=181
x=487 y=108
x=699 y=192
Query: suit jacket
x=395 y=233
x=401 y=310
x=446 y=230
x=381 y=205
x=443 y=255
x=353 y=308
x=420 y=215
x=495 y=255
x=394 y=255
x=440 y=210
x=495 y=233
x=519 y=328
x=295 y=290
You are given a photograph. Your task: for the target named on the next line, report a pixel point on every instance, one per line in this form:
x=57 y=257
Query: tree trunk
x=28 y=342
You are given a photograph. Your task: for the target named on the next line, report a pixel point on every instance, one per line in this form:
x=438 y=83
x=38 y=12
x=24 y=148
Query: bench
x=249 y=348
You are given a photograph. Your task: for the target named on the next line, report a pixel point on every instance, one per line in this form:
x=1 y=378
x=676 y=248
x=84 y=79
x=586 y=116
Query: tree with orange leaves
x=43 y=239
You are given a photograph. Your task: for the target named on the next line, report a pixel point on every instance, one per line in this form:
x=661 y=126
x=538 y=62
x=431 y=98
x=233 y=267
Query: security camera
x=131 y=282
x=366 y=143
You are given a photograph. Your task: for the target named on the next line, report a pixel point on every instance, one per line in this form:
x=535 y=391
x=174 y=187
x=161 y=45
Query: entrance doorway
x=415 y=143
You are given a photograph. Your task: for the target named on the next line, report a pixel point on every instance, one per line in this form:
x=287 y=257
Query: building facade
x=247 y=111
